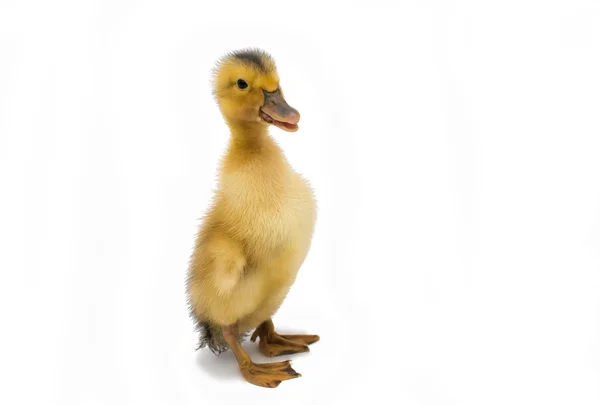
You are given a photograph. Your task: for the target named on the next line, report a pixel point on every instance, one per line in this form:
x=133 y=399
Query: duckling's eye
x=242 y=84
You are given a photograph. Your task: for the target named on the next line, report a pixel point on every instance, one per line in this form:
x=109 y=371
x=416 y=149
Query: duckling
x=258 y=230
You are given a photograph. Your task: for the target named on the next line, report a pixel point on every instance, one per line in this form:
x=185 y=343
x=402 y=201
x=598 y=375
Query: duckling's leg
x=268 y=375
x=273 y=344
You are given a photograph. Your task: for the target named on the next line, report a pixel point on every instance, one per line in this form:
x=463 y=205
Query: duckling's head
x=246 y=86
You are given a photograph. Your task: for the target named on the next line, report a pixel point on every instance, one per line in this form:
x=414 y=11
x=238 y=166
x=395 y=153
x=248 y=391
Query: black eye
x=242 y=84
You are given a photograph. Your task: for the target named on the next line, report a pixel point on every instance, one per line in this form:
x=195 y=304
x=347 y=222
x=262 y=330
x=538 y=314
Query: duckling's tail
x=211 y=336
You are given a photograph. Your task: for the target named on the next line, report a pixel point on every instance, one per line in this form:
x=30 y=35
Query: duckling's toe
x=302 y=339
x=269 y=375
x=281 y=348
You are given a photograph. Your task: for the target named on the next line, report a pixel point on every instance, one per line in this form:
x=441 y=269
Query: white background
x=454 y=147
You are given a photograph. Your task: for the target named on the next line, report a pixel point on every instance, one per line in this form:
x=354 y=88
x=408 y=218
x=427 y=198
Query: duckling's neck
x=251 y=141
x=248 y=135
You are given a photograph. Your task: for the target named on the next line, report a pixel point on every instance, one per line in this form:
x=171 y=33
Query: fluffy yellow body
x=255 y=236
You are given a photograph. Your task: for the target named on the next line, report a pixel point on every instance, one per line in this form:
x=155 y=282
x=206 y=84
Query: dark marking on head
x=254 y=57
x=251 y=57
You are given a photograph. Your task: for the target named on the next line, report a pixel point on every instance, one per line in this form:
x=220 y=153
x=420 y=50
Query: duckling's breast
x=269 y=216
x=273 y=219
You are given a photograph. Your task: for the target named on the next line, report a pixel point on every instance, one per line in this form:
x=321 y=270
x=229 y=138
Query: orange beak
x=277 y=111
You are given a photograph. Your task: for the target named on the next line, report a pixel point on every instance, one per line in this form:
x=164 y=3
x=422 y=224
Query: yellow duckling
x=258 y=231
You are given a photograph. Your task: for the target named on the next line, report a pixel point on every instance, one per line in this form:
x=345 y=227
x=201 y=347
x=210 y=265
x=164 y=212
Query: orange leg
x=268 y=375
x=273 y=344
